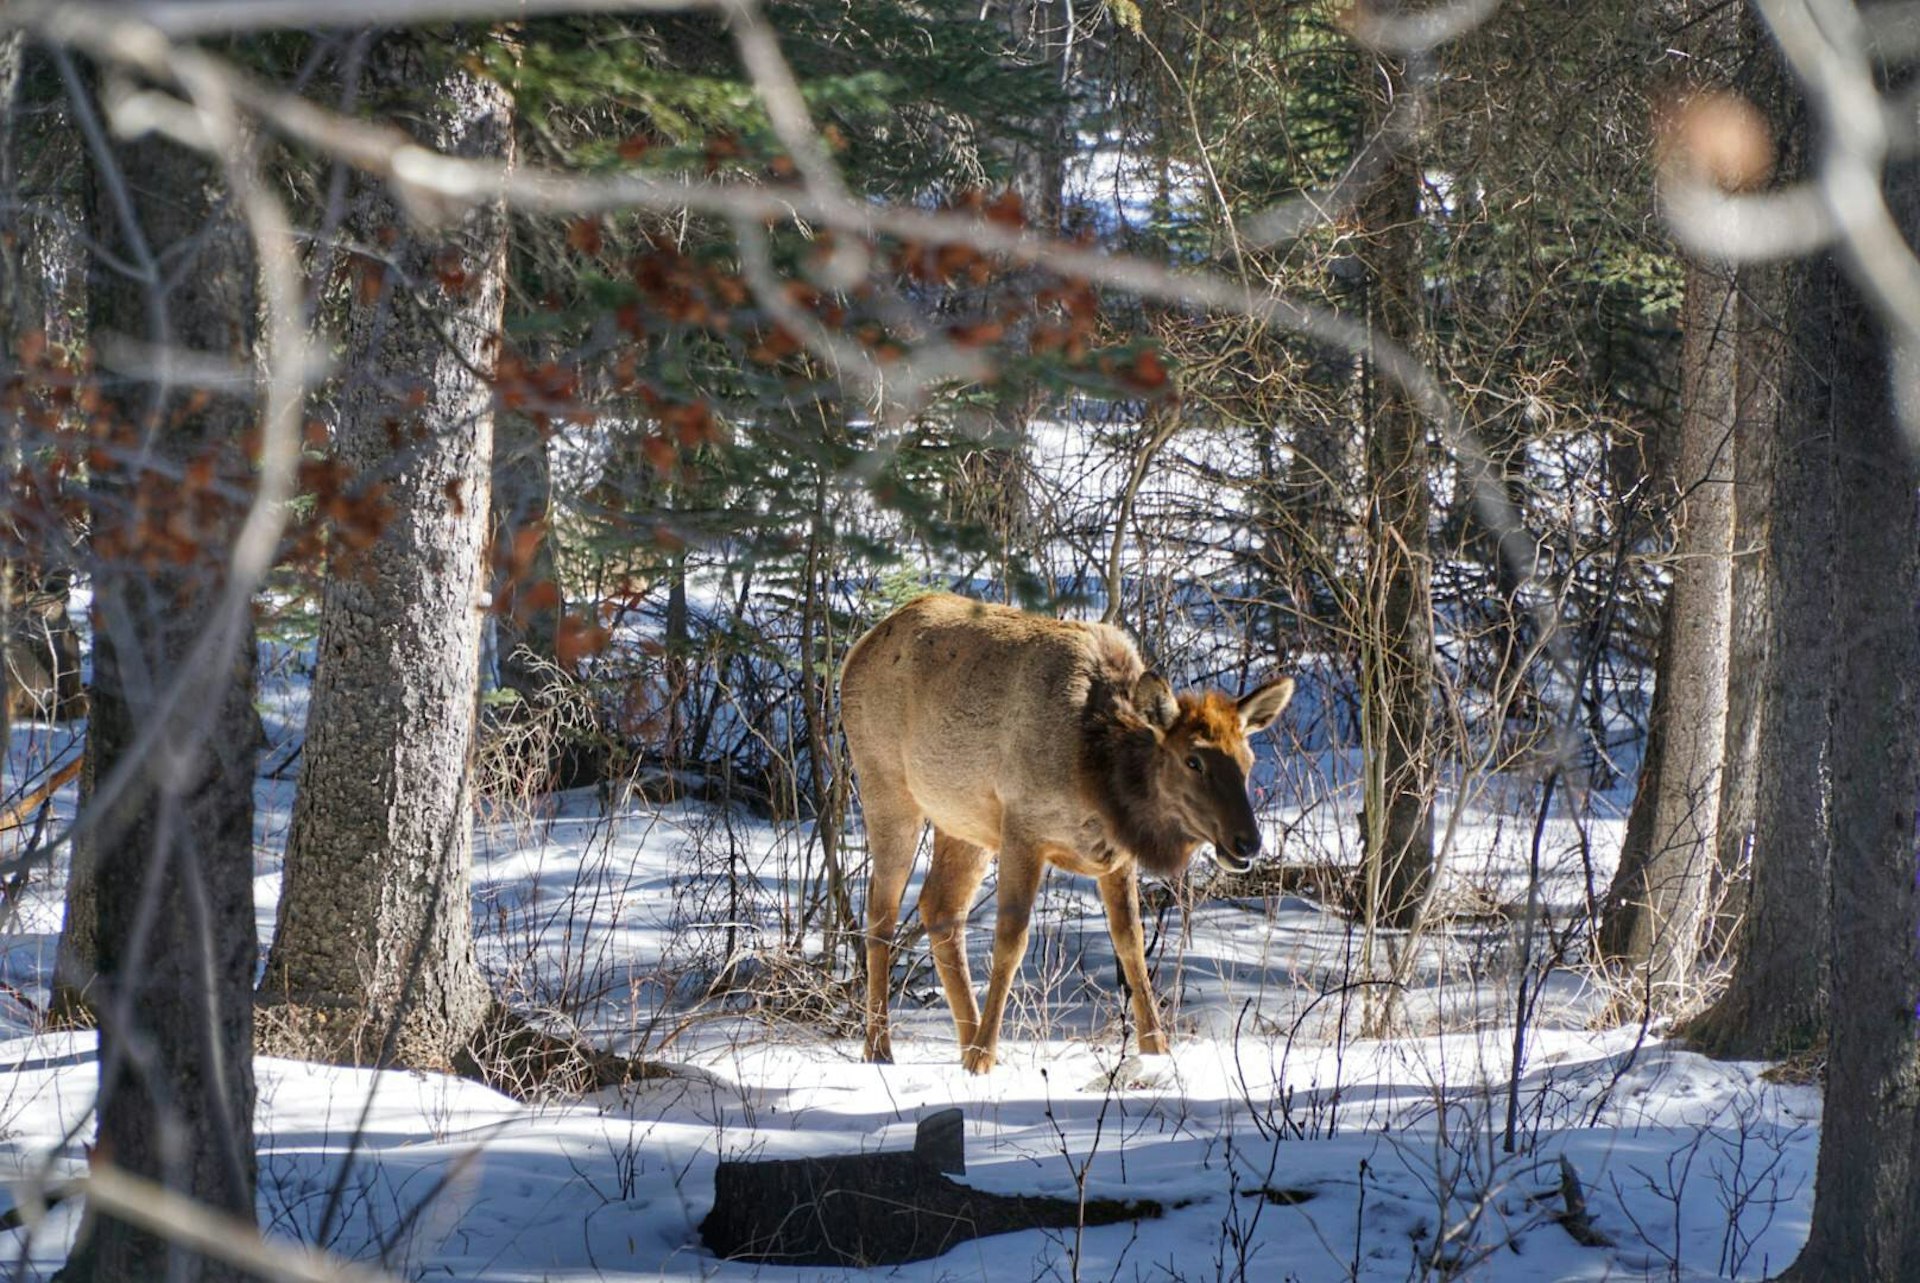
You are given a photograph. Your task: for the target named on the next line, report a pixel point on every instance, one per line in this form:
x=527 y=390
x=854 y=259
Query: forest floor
x=1284 y=1141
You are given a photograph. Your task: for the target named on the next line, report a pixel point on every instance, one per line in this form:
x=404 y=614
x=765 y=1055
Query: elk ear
x=1154 y=698
x=1259 y=707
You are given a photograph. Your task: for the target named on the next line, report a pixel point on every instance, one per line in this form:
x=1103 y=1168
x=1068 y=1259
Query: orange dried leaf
x=544 y=595
x=526 y=545
x=369 y=277
x=660 y=454
x=978 y=334
x=575 y=639
x=1148 y=373
x=1007 y=210
x=450 y=269
x=584 y=235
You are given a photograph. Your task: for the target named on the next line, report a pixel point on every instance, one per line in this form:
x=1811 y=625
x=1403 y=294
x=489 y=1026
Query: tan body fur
x=1047 y=742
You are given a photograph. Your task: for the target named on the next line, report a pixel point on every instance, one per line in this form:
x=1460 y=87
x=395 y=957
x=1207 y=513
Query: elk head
x=1198 y=772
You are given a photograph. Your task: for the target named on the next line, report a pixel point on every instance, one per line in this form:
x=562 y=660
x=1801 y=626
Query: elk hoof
x=976 y=1060
x=881 y=1052
x=1153 y=1044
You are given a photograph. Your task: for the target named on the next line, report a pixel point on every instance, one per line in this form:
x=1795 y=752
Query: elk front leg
x=1021 y=869
x=1120 y=892
x=945 y=900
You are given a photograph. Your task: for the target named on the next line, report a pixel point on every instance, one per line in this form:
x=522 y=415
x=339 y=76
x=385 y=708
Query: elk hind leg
x=893 y=835
x=945 y=900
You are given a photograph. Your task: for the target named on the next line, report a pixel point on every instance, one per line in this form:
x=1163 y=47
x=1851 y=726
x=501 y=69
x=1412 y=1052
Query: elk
x=1048 y=742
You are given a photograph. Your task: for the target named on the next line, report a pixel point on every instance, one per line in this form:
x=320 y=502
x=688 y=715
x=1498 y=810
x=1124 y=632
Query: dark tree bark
x=46 y=297
x=522 y=503
x=13 y=48
x=1775 y=1001
x=173 y=849
x=1396 y=637
x=42 y=297
x=1656 y=910
x=373 y=959
x=1866 y=1212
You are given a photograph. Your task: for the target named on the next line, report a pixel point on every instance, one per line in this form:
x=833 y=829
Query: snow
x=1285 y=1140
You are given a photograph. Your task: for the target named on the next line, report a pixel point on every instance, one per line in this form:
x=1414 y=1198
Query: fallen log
x=861 y=1210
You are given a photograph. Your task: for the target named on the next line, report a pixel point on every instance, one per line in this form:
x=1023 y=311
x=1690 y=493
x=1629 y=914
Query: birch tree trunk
x=373 y=959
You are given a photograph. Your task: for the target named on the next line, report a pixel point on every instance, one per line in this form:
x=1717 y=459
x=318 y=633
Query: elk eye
x=1193 y=761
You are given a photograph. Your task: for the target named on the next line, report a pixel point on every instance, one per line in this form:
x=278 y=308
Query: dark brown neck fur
x=1116 y=776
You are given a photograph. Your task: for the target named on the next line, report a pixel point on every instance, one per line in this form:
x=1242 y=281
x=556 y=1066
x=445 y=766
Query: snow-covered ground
x=1284 y=1141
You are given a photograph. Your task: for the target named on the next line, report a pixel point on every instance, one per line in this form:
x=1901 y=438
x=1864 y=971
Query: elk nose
x=1246 y=845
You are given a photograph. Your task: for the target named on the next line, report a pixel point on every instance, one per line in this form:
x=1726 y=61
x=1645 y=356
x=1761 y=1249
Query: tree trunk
x=174 y=852
x=1866 y=1211
x=1775 y=1001
x=42 y=296
x=47 y=299
x=373 y=958
x=1759 y=349
x=522 y=502
x=1656 y=910
x=1396 y=638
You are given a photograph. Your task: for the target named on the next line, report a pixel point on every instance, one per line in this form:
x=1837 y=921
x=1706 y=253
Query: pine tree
x=373 y=954
x=1866 y=1211
x=173 y=741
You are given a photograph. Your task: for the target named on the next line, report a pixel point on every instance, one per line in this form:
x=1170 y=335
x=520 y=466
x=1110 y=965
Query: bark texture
x=1775 y=1000
x=1758 y=347
x=13 y=47
x=373 y=958
x=522 y=501
x=43 y=296
x=1656 y=910
x=173 y=908
x=43 y=291
x=1866 y=1212
x=1396 y=641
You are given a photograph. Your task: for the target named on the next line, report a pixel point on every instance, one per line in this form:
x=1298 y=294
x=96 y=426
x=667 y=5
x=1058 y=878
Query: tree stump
x=861 y=1210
